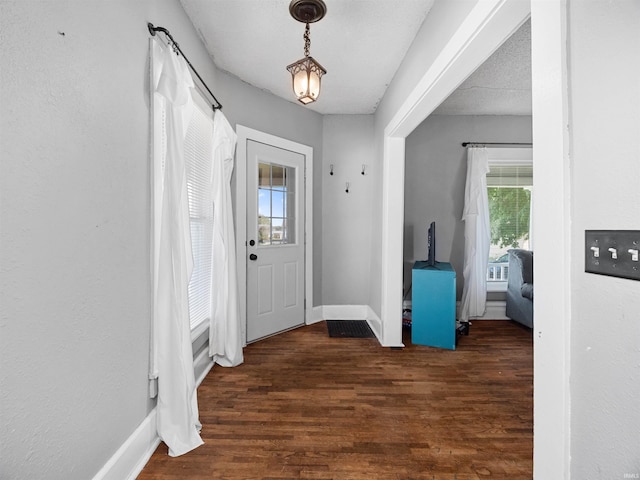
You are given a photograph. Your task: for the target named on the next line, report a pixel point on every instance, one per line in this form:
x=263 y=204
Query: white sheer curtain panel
x=225 y=330
x=172 y=356
x=477 y=235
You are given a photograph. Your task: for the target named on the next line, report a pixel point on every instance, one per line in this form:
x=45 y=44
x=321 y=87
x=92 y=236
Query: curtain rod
x=153 y=30
x=466 y=144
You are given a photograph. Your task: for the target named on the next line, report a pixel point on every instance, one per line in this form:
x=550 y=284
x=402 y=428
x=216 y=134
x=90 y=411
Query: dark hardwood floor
x=306 y=406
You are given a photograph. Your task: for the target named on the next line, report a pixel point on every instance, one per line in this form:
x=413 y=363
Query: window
x=198 y=160
x=509 y=191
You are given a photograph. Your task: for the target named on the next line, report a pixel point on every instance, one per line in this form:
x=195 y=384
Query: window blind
x=198 y=159
x=510 y=176
x=509 y=193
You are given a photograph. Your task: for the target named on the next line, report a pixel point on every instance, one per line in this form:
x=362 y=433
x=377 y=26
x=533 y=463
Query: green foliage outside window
x=509 y=210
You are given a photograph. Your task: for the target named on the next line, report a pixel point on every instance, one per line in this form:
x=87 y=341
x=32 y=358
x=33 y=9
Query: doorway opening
x=488 y=25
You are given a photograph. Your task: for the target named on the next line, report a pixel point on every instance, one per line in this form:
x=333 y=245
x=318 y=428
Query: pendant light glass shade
x=306 y=74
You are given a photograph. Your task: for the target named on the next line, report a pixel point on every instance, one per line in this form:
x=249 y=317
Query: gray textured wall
x=435 y=177
x=75 y=210
x=346 y=222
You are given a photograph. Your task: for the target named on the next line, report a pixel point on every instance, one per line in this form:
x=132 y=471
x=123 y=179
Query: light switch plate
x=612 y=253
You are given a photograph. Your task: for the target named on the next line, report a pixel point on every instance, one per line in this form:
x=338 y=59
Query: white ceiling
x=360 y=43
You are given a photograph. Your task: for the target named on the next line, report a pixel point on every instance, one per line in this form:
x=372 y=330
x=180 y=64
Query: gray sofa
x=520 y=287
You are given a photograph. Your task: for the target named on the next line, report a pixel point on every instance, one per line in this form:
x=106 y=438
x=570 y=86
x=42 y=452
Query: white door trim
x=553 y=246
x=245 y=134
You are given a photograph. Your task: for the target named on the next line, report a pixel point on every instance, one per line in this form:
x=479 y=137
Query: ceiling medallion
x=307 y=11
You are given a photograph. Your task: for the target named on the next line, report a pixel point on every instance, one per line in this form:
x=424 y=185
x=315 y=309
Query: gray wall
x=605 y=324
x=442 y=22
x=346 y=234
x=74 y=262
x=74 y=265
x=254 y=108
x=435 y=176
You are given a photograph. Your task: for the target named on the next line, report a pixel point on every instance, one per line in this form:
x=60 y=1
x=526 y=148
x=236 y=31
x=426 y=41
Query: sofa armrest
x=527 y=290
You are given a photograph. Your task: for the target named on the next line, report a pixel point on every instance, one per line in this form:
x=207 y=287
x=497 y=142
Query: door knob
x=253 y=256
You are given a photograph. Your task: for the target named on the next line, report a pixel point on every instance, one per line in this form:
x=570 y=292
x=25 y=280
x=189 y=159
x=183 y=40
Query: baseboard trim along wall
x=317 y=315
x=135 y=452
x=350 y=312
x=495 y=311
x=376 y=325
x=344 y=312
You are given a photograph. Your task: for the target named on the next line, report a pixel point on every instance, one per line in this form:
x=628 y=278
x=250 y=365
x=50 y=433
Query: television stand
x=434 y=305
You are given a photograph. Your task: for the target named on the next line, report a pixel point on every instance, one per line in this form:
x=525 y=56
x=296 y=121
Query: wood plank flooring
x=306 y=406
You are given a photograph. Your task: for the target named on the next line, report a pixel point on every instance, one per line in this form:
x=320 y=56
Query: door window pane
x=264 y=202
x=277 y=177
x=276 y=208
x=264 y=175
x=277 y=204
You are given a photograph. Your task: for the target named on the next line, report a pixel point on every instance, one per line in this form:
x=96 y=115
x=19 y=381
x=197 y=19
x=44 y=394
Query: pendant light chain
x=307 y=40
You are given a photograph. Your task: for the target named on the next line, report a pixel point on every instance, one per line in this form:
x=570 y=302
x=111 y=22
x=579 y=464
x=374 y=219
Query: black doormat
x=349 y=329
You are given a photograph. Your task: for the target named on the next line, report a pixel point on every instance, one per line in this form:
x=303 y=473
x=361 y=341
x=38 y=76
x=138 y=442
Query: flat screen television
x=431 y=245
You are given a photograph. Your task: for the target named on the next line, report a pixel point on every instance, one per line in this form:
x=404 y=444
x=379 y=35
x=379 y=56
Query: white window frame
x=508 y=156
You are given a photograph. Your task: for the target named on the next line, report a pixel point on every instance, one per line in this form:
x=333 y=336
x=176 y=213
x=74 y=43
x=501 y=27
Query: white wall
x=604 y=86
x=435 y=176
x=74 y=262
x=346 y=227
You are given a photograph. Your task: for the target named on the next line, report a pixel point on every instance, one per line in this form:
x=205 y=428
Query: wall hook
x=347 y=187
x=364 y=167
x=331 y=169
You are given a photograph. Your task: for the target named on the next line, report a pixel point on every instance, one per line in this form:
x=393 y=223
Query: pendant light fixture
x=306 y=72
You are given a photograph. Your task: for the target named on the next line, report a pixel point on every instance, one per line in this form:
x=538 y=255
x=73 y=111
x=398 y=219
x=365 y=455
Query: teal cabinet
x=433 y=305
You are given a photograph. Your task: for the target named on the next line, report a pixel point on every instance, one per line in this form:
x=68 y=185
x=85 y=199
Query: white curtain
x=172 y=356
x=477 y=235
x=225 y=330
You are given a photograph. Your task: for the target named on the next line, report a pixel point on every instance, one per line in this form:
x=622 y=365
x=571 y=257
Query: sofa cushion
x=527 y=290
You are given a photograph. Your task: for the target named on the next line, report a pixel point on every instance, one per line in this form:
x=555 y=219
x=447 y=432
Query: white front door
x=275 y=240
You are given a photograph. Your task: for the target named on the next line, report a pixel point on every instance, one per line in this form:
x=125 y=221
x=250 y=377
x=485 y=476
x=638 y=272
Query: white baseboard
x=352 y=312
x=495 y=311
x=344 y=312
x=317 y=315
x=375 y=323
x=202 y=365
x=135 y=452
